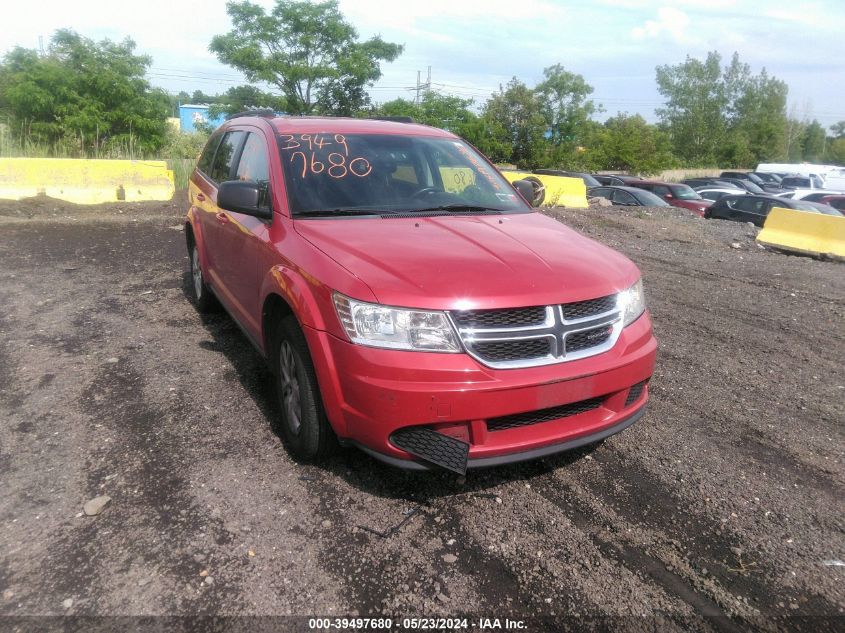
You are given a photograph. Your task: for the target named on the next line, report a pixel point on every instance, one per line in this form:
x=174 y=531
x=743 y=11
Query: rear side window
x=222 y=166
x=253 y=166
x=204 y=163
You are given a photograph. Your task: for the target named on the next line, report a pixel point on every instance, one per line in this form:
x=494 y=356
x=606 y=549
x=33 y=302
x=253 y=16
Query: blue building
x=191 y=115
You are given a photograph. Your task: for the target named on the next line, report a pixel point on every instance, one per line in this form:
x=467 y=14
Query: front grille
x=501 y=351
x=543 y=415
x=585 y=339
x=539 y=335
x=592 y=307
x=634 y=394
x=515 y=317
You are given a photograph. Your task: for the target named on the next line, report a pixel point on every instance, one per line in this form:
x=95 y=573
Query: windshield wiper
x=458 y=207
x=329 y=212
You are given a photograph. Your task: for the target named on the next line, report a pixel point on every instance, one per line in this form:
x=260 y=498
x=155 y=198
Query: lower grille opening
x=635 y=392
x=439 y=449
x=543 y=415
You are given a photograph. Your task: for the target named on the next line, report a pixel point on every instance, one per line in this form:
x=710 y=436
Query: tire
x=204 y=299
x=303 y=425
x=539 y=191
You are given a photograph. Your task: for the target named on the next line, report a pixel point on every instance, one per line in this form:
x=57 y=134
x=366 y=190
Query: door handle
x=222 y=217
x=201 y=197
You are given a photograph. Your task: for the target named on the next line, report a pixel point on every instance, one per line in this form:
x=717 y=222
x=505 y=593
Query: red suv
x=678 y=195
x=408 y=300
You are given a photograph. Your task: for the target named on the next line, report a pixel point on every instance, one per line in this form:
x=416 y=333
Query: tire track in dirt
x=694 y=541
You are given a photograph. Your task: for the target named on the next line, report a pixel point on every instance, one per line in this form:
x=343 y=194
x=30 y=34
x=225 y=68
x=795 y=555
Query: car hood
x=466 y=262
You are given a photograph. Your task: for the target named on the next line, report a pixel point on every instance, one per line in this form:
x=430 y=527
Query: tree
x=567 y=109
x=84 y=96
x=308 y=51
x=724 y=116
x=516 y=115
x=838 y=129
x=694 y=112
x=629 y=143
x=240 y=98
x=760 y=109
x=814 y=142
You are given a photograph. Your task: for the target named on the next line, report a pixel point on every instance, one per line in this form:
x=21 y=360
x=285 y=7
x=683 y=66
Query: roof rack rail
x=266 y=113
x=395 y=119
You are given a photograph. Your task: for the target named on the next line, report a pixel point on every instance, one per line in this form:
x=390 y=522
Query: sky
x=474 y=46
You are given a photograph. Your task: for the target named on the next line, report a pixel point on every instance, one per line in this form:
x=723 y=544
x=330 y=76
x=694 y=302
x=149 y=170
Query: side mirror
x=242 y=197
x=525 y=189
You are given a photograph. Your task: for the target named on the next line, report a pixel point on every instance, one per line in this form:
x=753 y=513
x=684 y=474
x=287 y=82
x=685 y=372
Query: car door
x=213 y=219
x=245 y=237
x=623 y=198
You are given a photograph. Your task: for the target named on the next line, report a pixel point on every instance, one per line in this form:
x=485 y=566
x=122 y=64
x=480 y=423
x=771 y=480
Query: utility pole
x=423 y=86
x=41 y=44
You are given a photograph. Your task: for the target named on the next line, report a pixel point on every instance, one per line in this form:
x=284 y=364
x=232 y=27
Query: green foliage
x=838 y=129
x=814 y=142
x=694 y=112
x=240 y=98
x=628 y=143
x=517 y=118
x=836 y=151
x=452 y=113
x=307 y=50
x=564 y=101
x=83 y=98
x=726 y=117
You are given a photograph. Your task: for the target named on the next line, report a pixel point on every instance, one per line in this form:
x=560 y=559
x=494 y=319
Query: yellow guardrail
x=85 y=181
x=553 y=191
x=804 y=232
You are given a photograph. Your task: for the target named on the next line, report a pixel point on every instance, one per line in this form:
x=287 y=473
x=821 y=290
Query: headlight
x=395 y=328
x=631 y=302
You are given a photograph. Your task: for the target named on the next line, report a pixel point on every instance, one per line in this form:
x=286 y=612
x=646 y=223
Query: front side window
x=333 y=173
x=253 y=166
x=222 y=166
x=207 y=156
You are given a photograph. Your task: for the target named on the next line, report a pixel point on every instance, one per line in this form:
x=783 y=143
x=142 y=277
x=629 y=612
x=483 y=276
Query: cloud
x=670 y=21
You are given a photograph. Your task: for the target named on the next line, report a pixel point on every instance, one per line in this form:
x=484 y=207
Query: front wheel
x=303 y=425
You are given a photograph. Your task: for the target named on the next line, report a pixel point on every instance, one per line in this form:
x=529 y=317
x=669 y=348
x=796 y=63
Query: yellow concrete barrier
x=804 y=232
x=552 y=191
x=85 y=181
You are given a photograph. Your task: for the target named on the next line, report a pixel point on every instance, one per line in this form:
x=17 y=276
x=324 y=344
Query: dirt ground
x=722 y=509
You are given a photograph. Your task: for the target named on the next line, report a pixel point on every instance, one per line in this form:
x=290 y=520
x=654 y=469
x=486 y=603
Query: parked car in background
x=717 y=193
x=709 y=182
x=751 y=177
x=749 y=186
x=627 y=196
x=769 y=177
x=755 y=208
x=837 y=202
x=802 y=182
x=588 y=179
x=809 y=195
x=616 y=179
x=676 y=194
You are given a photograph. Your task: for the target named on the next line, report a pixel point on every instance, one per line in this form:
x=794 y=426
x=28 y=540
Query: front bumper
x=371 y=393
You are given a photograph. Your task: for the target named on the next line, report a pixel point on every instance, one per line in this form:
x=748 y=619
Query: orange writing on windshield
x=316 y=154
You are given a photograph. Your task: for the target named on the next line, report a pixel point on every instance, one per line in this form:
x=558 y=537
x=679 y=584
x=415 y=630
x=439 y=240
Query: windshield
x=684 y=192
x=380 y=173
